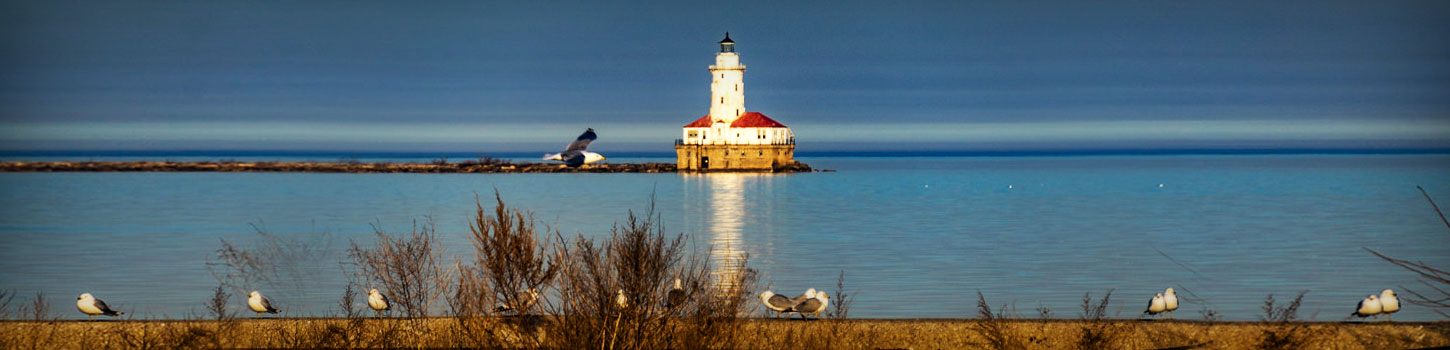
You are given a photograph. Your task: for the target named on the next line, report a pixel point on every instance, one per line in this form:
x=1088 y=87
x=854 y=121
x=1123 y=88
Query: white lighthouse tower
x=731 y=138
x=727 y=89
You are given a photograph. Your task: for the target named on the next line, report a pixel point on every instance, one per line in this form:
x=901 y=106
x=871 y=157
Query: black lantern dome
x=727 y=45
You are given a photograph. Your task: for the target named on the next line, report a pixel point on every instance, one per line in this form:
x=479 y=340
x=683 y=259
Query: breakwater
x=490 y=166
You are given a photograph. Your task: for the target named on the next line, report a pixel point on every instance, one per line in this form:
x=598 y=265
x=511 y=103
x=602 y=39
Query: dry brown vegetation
x=448 y=332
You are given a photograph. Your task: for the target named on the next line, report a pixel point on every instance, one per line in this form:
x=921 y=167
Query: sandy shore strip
x=447 y=332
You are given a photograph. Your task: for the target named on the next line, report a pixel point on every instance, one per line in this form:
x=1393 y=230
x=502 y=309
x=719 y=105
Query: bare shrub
x=512 y=268
x=39 y=307
x=1044 y=313
x=347 y=303
x=1098 y=311
x=6 y=297
x=1284 y=313
x=510 y=255
x=714 y=313
x=1097 y=331
x=1283 y=332
x=406 y=267
x=289 y=264
x=993 y=328
x=640 y=263
x=841 y=302
x=217 y=305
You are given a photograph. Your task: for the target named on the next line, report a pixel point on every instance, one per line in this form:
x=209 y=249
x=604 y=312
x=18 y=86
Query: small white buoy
x=1160 y=185
x=1009 y=187
x=925 y=186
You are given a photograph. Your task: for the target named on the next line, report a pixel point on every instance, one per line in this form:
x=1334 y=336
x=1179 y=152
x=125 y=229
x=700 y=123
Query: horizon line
x=344 y=154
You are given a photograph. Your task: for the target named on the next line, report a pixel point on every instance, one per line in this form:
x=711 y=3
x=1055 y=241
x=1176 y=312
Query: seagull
x=377 y=301
x=260 y=304
x=676 y=296
x=1370 y=306
x=1156 y=306
x=810 y=293
x=812 y=306
x=92 y=306
x=1389 y=303
x=574 y=155
x=1170 y=301
x=525 y=300
x=776 y=302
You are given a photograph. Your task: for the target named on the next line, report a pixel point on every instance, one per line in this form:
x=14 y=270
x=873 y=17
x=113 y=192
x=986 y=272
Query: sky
x=520 y=76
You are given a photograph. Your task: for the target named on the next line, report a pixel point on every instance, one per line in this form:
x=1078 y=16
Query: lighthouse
x=731 y=137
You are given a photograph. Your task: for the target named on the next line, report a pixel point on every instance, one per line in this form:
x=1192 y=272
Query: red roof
x=755 y=120
x=747 y=120
x=703 y=122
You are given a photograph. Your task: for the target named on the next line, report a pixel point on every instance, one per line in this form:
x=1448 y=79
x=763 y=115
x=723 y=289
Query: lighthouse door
x=704 y=162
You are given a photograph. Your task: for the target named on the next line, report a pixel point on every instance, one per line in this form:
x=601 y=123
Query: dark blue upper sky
x=520 y=76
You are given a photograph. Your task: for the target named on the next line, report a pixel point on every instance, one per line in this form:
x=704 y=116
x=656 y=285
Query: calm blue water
x=916 y=237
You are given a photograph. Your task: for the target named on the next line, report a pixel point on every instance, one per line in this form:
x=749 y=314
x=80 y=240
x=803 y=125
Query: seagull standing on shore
x=809 y=294
x=1389 y=303
x=92 y=306
x=621 y=300
x=676 y=296
x=812 y=306
x=377 y=301
x=1170 y=301
x=1370 y=306
x=525 y=300
x=1156 y=306
x=575 y=155
x=776 y=302
x=260 y=304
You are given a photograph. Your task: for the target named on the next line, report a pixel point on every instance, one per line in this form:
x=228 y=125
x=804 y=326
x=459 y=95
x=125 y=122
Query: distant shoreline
x=480 y=166
x=344 y=156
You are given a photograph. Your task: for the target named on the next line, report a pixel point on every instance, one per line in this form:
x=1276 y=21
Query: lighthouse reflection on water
x=724 y=200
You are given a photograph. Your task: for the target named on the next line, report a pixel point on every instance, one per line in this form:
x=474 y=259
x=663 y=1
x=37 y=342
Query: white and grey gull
x=813 y=306
x=676 y=296
x=260 y=304
x=776 y=302
x=378 y=301
x=92 y=307
x=1389 y=303
x=575 y=154
x=1170 y=301
x=1156 y=306
x=521 y=303
x=1370 y=306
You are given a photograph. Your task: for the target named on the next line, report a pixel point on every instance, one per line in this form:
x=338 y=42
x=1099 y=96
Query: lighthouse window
x=737 y=87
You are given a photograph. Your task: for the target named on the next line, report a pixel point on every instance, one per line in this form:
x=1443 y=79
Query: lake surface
x=915 y=236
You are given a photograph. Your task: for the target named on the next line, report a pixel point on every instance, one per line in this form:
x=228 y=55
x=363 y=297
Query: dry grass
x=753 y=334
